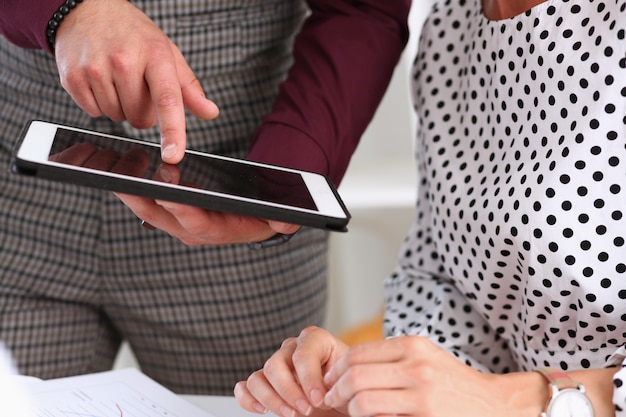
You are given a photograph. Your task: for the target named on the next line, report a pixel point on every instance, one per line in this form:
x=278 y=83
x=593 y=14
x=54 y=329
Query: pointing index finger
x=165 y=90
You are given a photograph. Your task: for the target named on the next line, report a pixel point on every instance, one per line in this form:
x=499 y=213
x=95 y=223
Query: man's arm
x=344 y=58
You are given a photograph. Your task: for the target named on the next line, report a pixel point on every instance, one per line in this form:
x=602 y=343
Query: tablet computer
x=78 y=156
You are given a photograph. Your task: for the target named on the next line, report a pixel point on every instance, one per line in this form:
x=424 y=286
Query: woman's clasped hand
x=316 y=374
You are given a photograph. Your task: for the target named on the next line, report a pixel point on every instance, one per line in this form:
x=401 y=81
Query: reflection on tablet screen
x=217 y=175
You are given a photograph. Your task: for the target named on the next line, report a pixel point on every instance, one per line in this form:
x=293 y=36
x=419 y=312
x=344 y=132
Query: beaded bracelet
x=57 y=18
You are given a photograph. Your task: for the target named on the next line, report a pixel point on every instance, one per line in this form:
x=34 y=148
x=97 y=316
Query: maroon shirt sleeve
x=344 y=58
x=24 y=22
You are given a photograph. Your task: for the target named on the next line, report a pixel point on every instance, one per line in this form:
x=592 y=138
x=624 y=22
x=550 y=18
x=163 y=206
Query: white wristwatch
x=568 y=396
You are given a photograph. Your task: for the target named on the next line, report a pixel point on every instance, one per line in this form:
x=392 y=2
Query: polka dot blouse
x=517 y=258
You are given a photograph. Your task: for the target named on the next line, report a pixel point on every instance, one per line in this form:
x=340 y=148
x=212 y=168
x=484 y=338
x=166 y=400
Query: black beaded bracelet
x=56 y=20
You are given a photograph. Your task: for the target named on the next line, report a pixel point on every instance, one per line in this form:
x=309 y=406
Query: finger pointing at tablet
x=114 y=61
x=171 y=96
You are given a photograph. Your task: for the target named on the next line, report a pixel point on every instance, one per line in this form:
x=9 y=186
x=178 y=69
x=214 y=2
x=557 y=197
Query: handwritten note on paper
x=119 y=393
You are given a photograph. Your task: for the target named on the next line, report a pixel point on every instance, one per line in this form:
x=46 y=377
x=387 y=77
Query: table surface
x=220 y=406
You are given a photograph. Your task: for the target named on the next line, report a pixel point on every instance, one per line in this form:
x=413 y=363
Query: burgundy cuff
x=24 y=22
x=283 y=145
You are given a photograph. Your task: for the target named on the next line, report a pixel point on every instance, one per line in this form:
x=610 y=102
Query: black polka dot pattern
x=517 y=258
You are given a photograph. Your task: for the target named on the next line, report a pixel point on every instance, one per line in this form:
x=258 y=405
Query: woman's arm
x=409 y=375
x=405 y=375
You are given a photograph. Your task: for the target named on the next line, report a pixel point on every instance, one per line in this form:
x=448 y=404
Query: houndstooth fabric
x=77 y=271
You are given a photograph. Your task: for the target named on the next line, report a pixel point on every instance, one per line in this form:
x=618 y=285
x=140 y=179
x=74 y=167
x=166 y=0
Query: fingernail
x=258 y=407
x=167 y=205
x=304 y=407
x=287 y=411
x=317 y=397
x=328 y=399
x=165 y=175
x=327 y=378
x=169 y=151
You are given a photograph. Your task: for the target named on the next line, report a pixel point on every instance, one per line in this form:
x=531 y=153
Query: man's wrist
x=57 y=19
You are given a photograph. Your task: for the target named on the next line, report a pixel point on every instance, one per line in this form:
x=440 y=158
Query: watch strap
x=557 y=377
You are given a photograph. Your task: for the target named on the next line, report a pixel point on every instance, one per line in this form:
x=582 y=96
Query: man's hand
x=196 y=226
x=114 y=61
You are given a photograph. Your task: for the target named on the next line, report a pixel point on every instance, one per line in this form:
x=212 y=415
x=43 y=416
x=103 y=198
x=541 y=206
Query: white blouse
x=517 y=258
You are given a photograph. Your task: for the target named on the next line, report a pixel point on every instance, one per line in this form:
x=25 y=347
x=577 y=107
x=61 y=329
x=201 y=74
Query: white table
x=220 y=406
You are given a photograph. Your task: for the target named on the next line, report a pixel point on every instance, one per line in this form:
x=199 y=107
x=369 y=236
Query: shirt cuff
x=283 y=145
x=26 y=21
x=619 y=381
x=617 y=358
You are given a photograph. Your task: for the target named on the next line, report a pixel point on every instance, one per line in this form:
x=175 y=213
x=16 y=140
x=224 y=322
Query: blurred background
x=379 y=190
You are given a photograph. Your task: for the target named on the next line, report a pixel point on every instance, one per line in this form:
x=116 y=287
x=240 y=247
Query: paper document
x=118 y=393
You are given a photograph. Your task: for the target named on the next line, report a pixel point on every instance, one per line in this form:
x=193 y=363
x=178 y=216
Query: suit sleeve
x=344 y=58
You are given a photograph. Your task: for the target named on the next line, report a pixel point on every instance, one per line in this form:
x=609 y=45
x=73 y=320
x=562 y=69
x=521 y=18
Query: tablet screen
x=213 y=174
